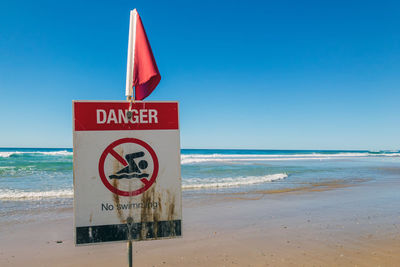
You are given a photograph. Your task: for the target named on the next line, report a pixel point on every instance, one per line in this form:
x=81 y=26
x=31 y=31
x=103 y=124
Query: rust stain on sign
x=171 y=212
x=171 y=207
x=147 y=213
x=117 y=166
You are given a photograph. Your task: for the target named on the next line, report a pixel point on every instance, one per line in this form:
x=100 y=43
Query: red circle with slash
x=110 y=150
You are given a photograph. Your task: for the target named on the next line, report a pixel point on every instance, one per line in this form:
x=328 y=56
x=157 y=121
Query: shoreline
x=347 y=226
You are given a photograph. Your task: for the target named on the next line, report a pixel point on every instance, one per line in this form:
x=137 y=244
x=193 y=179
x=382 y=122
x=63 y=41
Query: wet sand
x=327 y=225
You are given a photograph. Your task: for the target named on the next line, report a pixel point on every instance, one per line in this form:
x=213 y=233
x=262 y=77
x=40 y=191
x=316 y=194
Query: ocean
x=42 y=177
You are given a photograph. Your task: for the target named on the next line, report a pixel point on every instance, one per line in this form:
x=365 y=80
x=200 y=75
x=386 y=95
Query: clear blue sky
x=247 y=74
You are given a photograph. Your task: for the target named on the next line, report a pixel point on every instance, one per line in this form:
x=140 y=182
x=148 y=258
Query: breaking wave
x=199 y=183
x=15 y=195
x=7 y=154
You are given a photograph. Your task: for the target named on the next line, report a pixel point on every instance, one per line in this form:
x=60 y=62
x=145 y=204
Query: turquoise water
x=45 y=175
x=243 y=170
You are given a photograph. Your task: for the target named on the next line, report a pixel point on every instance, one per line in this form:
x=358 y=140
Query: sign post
x=127 y=182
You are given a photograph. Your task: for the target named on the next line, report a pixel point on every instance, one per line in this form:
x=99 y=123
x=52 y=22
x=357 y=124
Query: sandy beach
x=356 y=225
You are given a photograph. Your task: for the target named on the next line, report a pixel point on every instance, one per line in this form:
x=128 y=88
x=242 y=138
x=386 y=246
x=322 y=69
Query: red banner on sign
x=109 y=116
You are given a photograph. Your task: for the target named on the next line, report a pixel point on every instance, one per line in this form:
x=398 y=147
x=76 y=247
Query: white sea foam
x=57 y=153
x=199 y=158
x=197 y=183
x=15 y=195
x=7 y=154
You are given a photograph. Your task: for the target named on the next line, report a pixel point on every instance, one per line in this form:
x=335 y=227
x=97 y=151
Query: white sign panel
x=127 y=179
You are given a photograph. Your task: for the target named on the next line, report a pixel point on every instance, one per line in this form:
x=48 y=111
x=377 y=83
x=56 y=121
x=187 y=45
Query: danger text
x=120 y=116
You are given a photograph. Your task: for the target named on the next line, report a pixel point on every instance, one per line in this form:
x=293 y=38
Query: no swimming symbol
x=140 y=162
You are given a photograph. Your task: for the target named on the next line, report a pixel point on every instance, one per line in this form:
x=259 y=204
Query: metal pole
x=130 y=253
x=129 y=222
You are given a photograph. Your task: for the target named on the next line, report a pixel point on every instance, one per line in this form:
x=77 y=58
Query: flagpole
x=130 y=96
x=129 y=92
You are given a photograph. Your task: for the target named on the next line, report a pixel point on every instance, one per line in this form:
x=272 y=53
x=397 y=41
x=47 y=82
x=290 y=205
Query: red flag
x=142 y=71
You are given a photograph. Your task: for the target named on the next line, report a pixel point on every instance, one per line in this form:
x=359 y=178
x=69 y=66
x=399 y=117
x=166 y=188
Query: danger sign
x=126 y=169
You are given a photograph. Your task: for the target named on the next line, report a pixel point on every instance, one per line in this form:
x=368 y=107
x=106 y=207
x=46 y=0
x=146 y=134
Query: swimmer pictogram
x=133 y=170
